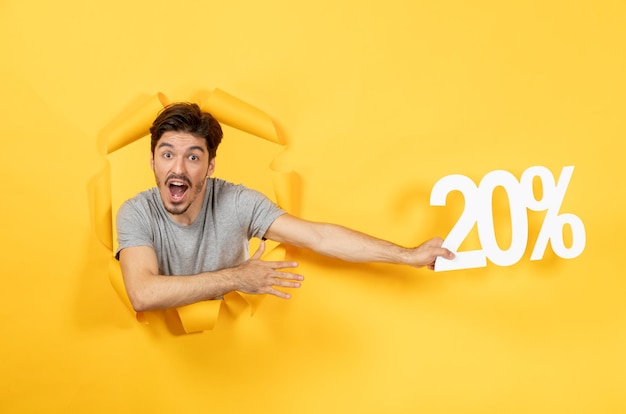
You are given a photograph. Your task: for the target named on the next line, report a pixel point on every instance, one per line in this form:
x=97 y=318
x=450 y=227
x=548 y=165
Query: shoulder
x=144 y=203
x=238 y=199
x=223 y=186
x=222 y=189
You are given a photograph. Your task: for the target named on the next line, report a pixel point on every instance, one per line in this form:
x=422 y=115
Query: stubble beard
x=179 y=209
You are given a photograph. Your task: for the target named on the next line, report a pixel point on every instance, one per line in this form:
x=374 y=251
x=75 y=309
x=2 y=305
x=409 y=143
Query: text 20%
x=479 y=210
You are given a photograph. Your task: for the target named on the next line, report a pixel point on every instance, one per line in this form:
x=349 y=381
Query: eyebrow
x=192 y=148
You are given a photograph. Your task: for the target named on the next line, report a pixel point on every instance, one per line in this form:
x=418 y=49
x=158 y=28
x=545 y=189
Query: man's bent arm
x=350 y=245
x=148 y=290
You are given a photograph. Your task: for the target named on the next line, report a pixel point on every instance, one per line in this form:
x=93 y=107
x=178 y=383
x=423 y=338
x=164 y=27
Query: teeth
x=178 y=184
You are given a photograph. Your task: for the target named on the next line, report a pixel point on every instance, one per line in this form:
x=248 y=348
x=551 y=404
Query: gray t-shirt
x=218 y=238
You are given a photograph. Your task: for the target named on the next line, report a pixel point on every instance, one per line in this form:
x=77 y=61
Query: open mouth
x=177 y=189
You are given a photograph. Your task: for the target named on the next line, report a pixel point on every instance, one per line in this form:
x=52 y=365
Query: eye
x=167 y=155
x=194 y=157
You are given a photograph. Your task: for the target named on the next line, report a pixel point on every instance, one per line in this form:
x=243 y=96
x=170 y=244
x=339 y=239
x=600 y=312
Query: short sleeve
x=133 y=228
x=256 y=211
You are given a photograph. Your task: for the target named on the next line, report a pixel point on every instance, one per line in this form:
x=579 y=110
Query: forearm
x=149 y=290
x=337 y=241
x=353 y=246
x=152 y=292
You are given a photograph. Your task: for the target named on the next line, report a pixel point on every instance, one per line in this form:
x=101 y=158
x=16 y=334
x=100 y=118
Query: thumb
x=259 y=252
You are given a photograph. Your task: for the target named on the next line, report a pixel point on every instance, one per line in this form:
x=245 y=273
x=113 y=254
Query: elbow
x=139 y=306
x=138 y=301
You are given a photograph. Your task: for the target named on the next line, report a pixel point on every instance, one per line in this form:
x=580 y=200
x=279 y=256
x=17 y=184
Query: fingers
x=282 y=265
x=291 y=281
x=438 y=250
x=427 y=253
x=274 y=265
x=435 y=241
x=258 y=276
x=276 y=292
x=445 y=253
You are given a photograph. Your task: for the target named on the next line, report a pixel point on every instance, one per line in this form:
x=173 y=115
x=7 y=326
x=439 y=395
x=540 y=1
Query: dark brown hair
x=187 y=117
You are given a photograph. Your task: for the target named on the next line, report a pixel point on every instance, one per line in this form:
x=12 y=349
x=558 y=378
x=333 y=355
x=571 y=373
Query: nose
x=179 y=165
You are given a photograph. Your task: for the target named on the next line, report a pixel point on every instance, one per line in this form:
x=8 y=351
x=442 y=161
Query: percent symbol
x=479 y=210
x=553 y=223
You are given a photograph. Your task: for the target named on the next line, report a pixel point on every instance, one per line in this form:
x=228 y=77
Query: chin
x=177 y=209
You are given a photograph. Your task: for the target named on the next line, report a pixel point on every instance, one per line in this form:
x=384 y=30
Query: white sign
x=479 y=210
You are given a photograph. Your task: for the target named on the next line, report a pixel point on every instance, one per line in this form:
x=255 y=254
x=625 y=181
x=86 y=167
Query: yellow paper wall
x=378 y=101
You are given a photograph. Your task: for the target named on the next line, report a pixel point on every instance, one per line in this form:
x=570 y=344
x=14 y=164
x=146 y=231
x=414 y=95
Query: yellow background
x=378 y=101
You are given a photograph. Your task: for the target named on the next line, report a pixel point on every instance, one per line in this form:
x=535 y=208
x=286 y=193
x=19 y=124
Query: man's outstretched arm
x=350 y=245
x=148 y=290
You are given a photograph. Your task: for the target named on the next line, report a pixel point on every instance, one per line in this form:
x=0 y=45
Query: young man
x=186 y=240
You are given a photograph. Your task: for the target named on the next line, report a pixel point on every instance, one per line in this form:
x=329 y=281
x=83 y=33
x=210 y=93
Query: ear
x=211 y=169
x=152 y=161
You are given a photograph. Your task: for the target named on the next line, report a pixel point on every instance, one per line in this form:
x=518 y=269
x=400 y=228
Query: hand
x=257 y=276
x=426 y=253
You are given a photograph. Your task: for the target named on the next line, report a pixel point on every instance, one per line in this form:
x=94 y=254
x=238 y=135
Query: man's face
x=181 y=165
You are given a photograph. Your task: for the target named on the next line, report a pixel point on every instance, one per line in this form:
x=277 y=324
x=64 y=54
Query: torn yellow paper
x=135 y=125
x=101 y=206
x=241 y=115
x=285 y=183
x=200 y=316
